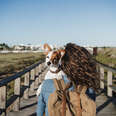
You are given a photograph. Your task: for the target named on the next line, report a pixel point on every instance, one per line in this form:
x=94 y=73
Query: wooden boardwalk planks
x=105 y=106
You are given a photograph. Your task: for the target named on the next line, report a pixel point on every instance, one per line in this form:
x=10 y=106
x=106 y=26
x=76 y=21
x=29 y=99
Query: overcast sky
x=85 y=22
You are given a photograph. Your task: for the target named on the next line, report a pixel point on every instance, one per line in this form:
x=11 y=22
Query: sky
x=84 y=22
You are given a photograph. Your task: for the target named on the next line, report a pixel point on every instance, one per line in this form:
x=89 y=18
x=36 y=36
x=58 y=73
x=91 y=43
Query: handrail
x=101 y=69
x=19 y=74
x=32 y=76
x=106 y=66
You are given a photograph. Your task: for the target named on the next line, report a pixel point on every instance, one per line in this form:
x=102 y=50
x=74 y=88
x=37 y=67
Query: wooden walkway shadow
x=27 y=107
x=105 y=106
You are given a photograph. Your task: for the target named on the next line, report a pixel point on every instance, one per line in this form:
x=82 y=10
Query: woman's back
x=48 y=88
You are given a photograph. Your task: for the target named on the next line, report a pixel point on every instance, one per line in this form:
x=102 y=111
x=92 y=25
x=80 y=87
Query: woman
x=78 y=66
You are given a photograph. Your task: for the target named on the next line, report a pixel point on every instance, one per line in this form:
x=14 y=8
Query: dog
x=53 y=61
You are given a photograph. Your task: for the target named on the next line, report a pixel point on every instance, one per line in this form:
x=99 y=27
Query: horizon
x=59 y=22
x=35 y=45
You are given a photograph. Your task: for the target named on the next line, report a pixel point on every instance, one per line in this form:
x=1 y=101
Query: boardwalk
x=105 y=106
x=28 y=107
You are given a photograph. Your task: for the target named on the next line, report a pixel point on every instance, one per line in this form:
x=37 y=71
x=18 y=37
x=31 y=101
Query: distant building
x=18 y=47
x=27 y=47
x=90 y=49
x=95 y=51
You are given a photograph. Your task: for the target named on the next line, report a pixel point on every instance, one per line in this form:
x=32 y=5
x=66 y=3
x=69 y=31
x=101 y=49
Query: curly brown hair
x=80 y=68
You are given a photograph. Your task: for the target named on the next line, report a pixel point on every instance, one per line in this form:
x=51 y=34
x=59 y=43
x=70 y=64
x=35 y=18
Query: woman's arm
x=41 y=104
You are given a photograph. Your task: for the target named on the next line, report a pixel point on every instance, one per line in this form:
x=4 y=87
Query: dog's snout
x=48 y=63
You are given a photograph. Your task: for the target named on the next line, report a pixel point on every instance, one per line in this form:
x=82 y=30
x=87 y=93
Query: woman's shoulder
x=48 y=81
x=51 y=81
x=48 y=84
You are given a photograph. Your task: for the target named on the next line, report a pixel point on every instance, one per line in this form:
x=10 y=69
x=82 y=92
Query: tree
x=4 y=46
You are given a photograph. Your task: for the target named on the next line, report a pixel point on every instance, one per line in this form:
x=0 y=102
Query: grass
x=10 y=87
x=13 y=62
x=107 y=56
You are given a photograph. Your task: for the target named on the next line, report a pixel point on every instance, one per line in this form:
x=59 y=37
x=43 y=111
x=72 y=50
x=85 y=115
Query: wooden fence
x=107 y=77
x=30 y=77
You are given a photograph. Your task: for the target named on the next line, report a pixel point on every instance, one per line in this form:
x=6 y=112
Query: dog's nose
x=48 y=63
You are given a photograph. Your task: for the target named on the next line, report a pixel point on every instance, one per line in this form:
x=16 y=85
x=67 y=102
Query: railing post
x=17 y=87
x=109 y=83
x=26 y=84
x=32 y=79
x=98 y=68
x=3 y=99
x=40 y=68
x=43 y=66
x=37 y=76
x=102 y=77
x=41 y=73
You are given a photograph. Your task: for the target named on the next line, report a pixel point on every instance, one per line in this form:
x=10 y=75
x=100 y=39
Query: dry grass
x=13 y=62
x=107 y=56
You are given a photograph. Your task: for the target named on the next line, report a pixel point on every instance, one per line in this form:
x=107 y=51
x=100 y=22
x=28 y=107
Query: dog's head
x=53 y=57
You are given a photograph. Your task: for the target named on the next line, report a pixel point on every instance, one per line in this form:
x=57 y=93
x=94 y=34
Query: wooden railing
x=31 y=78
x=107 y=77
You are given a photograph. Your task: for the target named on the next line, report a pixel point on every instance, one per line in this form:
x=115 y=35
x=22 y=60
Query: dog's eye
x=47 y=57
x=55 y=59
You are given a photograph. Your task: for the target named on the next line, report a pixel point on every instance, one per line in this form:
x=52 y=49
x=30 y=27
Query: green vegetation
x=4 y=46
x=10 y=89
x=11 y=63
x=107 y=56
x=14 y=62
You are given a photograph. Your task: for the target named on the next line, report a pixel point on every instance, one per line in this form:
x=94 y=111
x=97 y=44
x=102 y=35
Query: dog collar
x=58 y=70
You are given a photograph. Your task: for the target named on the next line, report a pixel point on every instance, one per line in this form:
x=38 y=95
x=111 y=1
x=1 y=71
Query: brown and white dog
x=53 y=61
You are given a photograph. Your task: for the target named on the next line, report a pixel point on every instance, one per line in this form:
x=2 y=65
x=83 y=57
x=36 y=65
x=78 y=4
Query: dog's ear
x=47 y=48
x=62 y=52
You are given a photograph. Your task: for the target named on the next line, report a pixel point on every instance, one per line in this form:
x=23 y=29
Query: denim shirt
x=48 y=88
